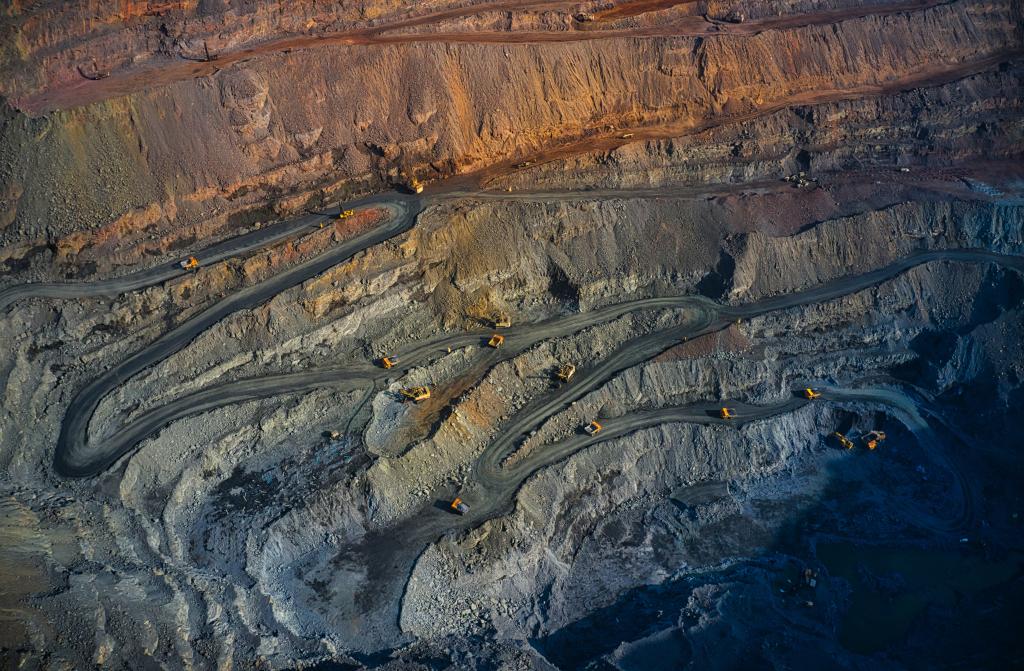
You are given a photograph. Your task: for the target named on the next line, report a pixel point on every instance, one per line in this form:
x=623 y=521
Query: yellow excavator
x=810 y=394
x=459 y=506
x=565 y=372
x=727 y=413
x=415 y=185
x=873 y=438
x=496 y=341
x=190 y=263
x=388 y=361
x=416 y=394
x=501 y=321
x=843 y=440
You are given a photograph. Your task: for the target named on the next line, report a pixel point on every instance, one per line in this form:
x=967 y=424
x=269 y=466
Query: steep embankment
x=173 y=154
x=274 y=503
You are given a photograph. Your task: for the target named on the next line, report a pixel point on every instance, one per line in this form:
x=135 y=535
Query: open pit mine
x=615 y=335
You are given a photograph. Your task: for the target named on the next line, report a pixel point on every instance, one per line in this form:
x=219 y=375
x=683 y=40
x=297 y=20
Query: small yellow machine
x=189 y=264
x=496 y=341
x=565 y=372
x=416 y=394
x=727 y=413
x=810 y=394
x=873 y=438
x=843 y=440
x=593 y=428
x=389 y=361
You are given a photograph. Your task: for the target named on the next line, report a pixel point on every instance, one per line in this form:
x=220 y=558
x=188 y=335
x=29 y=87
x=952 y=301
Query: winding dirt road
x=73 y=456
x=233 y=247
x=390 y=554
x=77 y=456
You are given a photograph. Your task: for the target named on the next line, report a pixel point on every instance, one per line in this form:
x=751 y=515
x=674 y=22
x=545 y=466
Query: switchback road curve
x=73 y=457
x=389 y=554
x=76 y=456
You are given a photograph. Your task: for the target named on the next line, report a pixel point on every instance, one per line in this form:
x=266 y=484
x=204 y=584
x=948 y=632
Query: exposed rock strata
x=251 y=536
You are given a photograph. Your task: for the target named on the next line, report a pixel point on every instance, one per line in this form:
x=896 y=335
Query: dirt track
x=75 y=458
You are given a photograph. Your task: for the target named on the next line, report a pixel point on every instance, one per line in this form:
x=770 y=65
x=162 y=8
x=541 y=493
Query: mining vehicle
x=565 y=372
x=415 y=185
x=810 y=394
x=502 y=321
x=843 y=440
x=416 y=393
x=459 y=506
x=727 y=413
x=189 y=263
x=388 y=361
x=593 y=428
x=345 y=214
x=626 y=136
x=496 y=341
x=873 y=438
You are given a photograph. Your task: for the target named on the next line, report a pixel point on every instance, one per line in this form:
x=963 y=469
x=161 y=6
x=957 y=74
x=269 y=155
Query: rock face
x=699 y=205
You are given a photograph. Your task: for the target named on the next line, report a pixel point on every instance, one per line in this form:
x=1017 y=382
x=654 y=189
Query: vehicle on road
x=811 y=394
x=189 y=264
x=593 y=428
x=459 y=506
x=388 y=361
x=496 y=341
x=345 y=214
x=416 y=394
x=565 y=372
x=843 y=440
x=873 y=438
x=727 y=413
